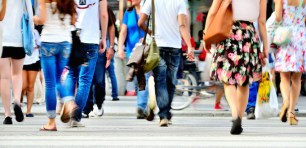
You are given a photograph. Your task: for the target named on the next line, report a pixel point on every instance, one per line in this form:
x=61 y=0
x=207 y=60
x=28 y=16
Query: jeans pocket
x=47 y=49
x=92 y=53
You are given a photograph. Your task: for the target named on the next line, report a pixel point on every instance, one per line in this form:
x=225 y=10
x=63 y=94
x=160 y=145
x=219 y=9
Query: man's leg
x=112 y=75
x=252 y=100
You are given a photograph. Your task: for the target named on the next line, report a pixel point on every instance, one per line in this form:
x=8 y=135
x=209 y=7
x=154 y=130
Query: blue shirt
x=134 y=33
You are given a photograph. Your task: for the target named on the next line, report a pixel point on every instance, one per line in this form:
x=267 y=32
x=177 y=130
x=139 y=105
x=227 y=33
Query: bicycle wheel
x=183 y=95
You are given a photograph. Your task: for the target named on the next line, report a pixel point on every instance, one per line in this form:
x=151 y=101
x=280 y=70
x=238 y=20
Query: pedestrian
x=12 y=58
x=97 y=91
x=236 y=60
x=92 y=15
x=30 y=69
x=170 y=27
x=290 y=58
x=130 y=35
x=57 y=16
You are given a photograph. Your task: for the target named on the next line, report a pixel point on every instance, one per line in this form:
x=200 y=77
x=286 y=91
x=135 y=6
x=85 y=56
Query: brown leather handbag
x=221 y=25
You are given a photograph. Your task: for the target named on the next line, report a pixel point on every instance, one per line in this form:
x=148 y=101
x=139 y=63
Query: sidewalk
x=127 y=107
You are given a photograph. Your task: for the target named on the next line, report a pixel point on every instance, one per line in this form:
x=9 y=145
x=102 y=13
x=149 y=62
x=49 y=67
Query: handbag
x=151 y=57
x=78 y=55
x=26 y=30
x=220 y=27
x=283 y=34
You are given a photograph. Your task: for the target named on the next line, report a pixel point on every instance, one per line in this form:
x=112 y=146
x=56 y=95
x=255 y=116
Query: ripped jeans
x=54 y=57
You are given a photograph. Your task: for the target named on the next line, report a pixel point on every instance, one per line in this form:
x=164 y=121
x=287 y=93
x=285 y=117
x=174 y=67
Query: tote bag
x=27 y=32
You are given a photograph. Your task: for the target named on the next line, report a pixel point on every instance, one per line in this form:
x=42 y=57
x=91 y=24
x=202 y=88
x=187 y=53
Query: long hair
x=65 y=7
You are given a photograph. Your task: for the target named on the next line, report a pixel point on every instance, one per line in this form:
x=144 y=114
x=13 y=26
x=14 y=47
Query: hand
x=207 y=47
x=102 y=45
x=107 y=63
x=121 y=53
x=190 y=54
x=109 y=53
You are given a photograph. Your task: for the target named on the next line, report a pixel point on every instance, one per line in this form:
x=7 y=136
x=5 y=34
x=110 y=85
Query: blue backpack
x=26 y=30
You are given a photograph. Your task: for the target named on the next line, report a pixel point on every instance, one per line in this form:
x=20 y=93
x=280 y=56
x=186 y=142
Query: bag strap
x=153 y=19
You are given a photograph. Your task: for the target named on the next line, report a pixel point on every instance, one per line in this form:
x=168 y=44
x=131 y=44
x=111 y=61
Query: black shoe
x=115 y=99
x=151 y=115
x=8 y=120
x=251 y=114
x=18 y=113
x=30 y=115
x=236 y=127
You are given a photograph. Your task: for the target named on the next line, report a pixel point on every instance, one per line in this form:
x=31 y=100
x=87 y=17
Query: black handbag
x=78 y=55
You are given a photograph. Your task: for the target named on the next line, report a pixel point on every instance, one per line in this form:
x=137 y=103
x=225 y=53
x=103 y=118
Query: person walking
x=91 y=14
x=57 y=16
x=12 y=58
x=130 y=35
x=236 y=60
x=170 y=27
x=97 y=91
x=290 y=58
x=30 y=69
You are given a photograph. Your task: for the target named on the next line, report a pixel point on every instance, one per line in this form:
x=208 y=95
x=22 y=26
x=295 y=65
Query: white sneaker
x=76 y=124
x=92 y=114
x=98 y=112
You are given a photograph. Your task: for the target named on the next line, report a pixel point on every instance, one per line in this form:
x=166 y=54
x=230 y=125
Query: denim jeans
x=97 y=90
x=82 y=75
x=165 y=75
x=142 y=96
x=54 y=57
x=252 y=96
x=112 y=75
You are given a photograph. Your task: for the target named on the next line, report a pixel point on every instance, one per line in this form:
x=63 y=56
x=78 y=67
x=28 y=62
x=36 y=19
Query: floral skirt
x=236 y=59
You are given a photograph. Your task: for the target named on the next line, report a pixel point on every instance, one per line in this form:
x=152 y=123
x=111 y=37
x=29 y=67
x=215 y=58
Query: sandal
x=293 y=120
x=283 y=113
x=49 y=130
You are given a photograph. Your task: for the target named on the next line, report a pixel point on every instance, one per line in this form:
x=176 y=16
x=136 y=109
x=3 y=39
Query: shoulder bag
x=220 y=27
x=26 y=30
x=283 y=34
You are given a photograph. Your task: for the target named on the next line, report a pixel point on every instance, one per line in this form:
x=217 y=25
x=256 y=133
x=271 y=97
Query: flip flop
x=49 y=130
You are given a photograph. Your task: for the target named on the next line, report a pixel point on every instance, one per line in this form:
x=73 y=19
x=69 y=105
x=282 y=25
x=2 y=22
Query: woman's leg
x=17 y=65
x=242 y=95
x=24 y=84
x=5 y=74
x=231 y=96
x=285 y=87
x=294 y=91
x=31 y=77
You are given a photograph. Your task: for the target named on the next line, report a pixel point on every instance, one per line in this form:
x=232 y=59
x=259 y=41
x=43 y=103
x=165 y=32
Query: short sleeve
x=182 y=7
x=125 y=18
x=146 y=9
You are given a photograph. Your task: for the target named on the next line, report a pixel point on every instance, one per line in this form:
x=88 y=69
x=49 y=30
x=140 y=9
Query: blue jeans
x=82 y=75
x=142 y=96
x=253 y=95
x=112 y=75
x=97 y=90
x=165 y=75
x=54 y=57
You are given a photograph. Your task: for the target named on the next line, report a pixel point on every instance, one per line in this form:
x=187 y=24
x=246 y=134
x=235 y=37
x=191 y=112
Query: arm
x=211 y=13
x=73 y=19
x=142 y=23
x=262 y=26
x=3 y=9
x=41 y=19
x=122 y=38
x=279 y=10
x=111 y=34
x=103 y=23
x=186 y=35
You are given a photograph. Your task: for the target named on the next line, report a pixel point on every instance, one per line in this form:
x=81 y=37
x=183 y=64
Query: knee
x=30 y=88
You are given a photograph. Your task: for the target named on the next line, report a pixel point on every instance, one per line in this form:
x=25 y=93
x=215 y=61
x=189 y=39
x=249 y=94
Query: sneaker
x=97 y=111
x=164 y=122
x=115 y=99
x=206 y=94
x=296 y=109
x=219 y=106
x=76 y=124
x=131 y=93
x=92 y=114
x=8 y=120
x=251 y=114
x=141 y=114
x=18 y=113
x=85 y=115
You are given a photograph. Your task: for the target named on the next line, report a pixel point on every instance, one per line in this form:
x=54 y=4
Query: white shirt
x=56 y=30
x=12 y=22
x=88 y=20
x=28 y=60
x=167 y=32
x=246 y=10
